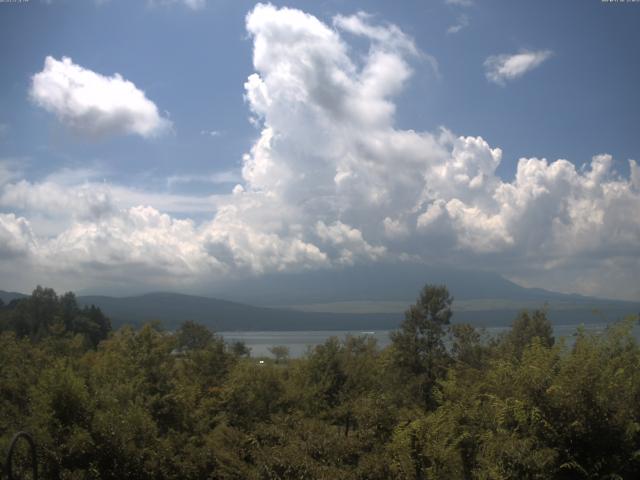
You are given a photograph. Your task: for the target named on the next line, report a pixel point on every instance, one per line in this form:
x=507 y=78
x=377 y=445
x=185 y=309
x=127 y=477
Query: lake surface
x=299 y=342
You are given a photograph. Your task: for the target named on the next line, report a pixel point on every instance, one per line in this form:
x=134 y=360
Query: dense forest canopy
x=442 y=401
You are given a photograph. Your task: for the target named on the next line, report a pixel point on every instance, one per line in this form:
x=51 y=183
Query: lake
x=299 y=341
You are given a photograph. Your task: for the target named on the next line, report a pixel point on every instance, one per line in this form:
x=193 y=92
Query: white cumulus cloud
x=195 y=4
x=502 y=68
x=139 y=239
x=192 y=4
x=331 y=181
x=461 y=23
x=16 y=237
x=388 y=35
x=94 y=104
x=459 y=3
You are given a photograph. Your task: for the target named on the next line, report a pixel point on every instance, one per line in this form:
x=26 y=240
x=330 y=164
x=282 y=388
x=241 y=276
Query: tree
x=525 y=328
x=92 y=323
x=418 y=346
x=240 y=349
x=46 y=314
x=253 y=392
x=61 y=417
x=280 y=352
x=68 y=309
x=467 y=348
x=32 y=316
x=193 y=336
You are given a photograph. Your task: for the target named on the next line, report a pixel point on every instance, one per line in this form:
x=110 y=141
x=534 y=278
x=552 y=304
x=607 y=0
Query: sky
x=176 y=144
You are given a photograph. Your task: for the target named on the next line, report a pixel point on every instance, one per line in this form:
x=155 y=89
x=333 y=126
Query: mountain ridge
x=355 y=298
x=382 y=282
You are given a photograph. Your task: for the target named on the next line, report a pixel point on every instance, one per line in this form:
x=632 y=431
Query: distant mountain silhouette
x=6 y=297
x=172 y=309
x=380 y=282
x=480 y=298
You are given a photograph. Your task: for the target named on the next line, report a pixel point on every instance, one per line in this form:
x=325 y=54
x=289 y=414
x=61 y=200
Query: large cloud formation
x=331 y=182
x=94 y=104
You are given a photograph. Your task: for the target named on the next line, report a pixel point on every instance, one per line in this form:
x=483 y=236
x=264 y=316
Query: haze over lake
x=298 y=342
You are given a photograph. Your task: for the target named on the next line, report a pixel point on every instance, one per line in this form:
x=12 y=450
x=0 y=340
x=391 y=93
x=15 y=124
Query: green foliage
x=45 y=314
x=252 y=393
x=280 y=353
x=153 y=404
x=239 y=349
x=192 y=336
x=467 y=347
x=524 y=329
x=418 y=347
x=427 y=447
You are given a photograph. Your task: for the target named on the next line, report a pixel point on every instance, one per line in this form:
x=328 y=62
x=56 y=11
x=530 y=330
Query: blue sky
x=575 y=96
x=193 y=64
